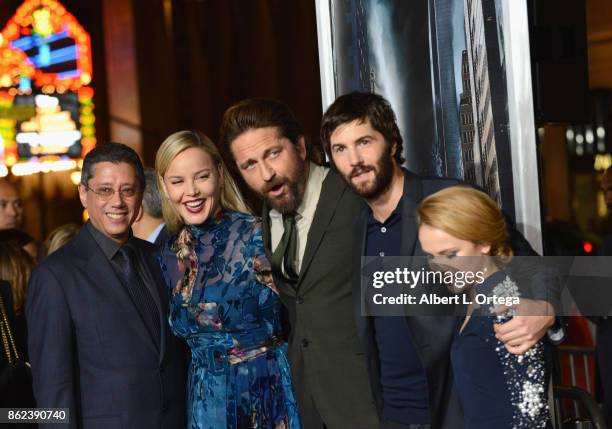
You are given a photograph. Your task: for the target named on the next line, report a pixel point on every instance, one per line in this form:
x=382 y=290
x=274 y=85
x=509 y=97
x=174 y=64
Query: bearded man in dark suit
x=408 y=358
x=308 y=218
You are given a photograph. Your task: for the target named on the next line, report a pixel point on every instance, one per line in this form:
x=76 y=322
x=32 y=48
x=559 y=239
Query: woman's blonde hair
x=467 y=214
x=60 y=236
x=16 y=265
x=178 y=142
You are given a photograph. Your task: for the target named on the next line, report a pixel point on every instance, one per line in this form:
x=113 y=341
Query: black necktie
x=138 y=291
x=285 y=252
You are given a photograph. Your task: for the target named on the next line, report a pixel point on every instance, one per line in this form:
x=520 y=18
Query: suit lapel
x=101 y=273
x=331 y=192
x=423 y=325
x=359 y=251
x=162 y=237
x=413 y=193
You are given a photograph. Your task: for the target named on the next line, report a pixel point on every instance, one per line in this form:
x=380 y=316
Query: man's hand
x=527 y=327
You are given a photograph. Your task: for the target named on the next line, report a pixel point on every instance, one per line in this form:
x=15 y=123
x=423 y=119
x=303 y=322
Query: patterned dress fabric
x=224 y=305
x=498 y=389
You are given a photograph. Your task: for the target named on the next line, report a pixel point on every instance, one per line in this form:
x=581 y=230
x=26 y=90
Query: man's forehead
x=109 y=166
x=257 y=139
x=363 y=123
x=263 y=134
x=107 y=170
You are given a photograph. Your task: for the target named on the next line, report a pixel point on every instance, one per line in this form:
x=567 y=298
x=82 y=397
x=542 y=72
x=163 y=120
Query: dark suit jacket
x=432 y=335
x=324 y=351
x=162 y=237
x=91 y=351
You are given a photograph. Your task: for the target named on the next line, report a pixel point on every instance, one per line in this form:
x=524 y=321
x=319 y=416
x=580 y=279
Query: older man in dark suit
x=98 y=338
x=308 y=221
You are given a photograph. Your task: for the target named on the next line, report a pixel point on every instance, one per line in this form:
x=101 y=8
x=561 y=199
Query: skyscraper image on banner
x=441 y=65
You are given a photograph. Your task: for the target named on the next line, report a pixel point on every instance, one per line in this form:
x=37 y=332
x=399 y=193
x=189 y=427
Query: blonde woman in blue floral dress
x=223 y=301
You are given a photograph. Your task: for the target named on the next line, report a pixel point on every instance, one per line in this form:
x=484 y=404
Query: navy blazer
x=91 y=351
x=162 y=237
x=431 y=335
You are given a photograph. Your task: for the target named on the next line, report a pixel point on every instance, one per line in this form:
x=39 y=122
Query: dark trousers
x=311 y=419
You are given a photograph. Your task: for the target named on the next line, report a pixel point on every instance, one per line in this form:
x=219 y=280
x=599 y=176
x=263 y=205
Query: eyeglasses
x=106 y=192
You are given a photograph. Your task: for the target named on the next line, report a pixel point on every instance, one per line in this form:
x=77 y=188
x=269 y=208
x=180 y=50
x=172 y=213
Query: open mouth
x=276 y=190
x=195 y=206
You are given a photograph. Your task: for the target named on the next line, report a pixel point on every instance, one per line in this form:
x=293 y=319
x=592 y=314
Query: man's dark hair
x=362 y=106
x=254 y=113
x=151 y=200
x=115 y=153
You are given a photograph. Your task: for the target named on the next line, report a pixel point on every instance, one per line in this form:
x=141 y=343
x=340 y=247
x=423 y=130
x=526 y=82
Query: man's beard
x=383 y=175
x=295 y=192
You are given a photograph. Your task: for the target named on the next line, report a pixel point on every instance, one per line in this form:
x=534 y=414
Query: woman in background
x=15 y=375
x=16 y=266
x=461 y=228
x=60 y=236
x=223 y=299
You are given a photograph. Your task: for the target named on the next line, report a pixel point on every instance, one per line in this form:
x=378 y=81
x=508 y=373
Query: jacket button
x=305 y=342
x=299 y=300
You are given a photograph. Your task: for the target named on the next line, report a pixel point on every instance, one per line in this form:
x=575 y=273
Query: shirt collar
x=109 y=247
x=397 y=212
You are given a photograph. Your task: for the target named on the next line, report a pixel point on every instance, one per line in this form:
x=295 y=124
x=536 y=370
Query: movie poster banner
x=443 y=65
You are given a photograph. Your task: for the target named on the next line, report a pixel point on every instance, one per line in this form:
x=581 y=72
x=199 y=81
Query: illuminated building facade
x=47 y=121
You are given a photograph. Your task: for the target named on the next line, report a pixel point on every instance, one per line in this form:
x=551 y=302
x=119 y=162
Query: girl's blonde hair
x=175 y=144
x=467 y=214
x=16 y=266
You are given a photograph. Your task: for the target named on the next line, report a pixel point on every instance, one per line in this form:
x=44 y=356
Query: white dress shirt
x=304 y=214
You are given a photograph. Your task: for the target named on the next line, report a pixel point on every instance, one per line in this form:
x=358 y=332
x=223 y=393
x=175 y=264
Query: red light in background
x=587 y=247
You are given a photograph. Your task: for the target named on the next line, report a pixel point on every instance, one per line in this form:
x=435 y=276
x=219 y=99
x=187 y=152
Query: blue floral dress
x=225 y=306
